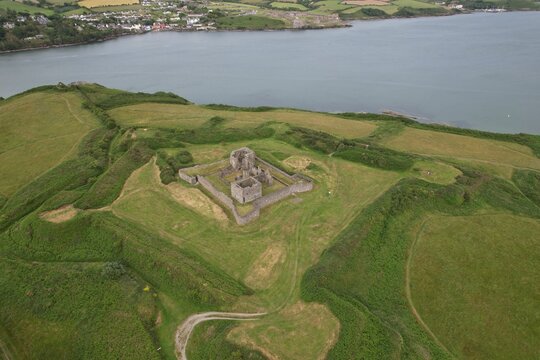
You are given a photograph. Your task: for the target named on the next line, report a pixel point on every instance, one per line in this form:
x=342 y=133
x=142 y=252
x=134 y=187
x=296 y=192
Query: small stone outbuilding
x=246 y=190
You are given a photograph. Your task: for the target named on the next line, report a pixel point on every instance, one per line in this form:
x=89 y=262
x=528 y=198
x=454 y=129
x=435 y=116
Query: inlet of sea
x=477 y=70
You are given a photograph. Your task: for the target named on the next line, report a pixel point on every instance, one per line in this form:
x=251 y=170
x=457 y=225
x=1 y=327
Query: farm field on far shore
x=19 y=6
x=100 y=3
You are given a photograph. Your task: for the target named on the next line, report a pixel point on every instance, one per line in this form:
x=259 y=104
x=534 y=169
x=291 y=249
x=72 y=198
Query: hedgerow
x=528 y=182
x=109 y=185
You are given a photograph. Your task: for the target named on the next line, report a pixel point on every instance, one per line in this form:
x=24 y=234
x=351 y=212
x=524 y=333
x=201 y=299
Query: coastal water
x=480 y=71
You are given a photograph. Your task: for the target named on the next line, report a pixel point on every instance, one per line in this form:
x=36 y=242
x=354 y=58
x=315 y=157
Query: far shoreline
x=346 y=24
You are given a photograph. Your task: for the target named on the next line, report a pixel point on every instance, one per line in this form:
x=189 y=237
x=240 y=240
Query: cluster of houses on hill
x=135 y=21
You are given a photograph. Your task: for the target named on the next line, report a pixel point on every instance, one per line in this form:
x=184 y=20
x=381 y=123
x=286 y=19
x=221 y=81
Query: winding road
x=185 y=329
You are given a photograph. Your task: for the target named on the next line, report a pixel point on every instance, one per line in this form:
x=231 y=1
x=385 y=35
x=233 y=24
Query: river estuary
x=479 y=70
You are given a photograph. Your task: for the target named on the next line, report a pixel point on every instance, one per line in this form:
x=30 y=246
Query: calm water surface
x=480 y=71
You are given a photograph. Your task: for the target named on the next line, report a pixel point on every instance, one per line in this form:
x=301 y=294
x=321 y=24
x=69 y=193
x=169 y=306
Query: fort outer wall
x=260 y=203
x=280 y=194
x=228 y=202
x=187 y=178
x=274 y=168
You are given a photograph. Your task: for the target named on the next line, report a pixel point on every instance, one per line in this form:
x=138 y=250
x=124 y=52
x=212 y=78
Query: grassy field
x=388 y=9
x=464 y=148
x=414 y=4
x=246 y=252
x=20 y=7
x=474 y=282
x=100 y=3
x=117 y=8
x=184 y=117
x=39 y=131
x=288 y=5
x=329 y=6
x=252 y=22
x=435 y=172
x=229 y=6
x=47 y=314
x=99 y=242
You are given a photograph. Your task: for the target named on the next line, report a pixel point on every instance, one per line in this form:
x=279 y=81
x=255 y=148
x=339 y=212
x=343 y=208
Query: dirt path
x=444 y=157
x=186 y=328
x=4 y=351
x=408 y=288
x=71 y=111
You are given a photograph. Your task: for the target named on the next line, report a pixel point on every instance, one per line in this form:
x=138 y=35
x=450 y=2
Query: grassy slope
x=20 y=7
x=237 y=250
x=193 y=263
x=464 y=148
x=473 y=280
x=252 y=22
x=181 y=117
x=49 y=315
x=362 y=277
x=39 y=131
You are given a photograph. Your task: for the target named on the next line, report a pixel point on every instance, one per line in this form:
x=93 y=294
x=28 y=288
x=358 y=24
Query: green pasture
x=189 y=116
x=230 y=6
x=39 y=131
x=414 y=4
x=473 y=282
x=329 y=7
x=388 y=9
x=252 y=22
x=287 y=5
x=116 y=8
x=24 y=8
x=415 y=242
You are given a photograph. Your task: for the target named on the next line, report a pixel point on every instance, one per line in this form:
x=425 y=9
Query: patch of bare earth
x=297 y=162
x=263 y=270
x=196 y=200
x=300 y=331
x=63 y=213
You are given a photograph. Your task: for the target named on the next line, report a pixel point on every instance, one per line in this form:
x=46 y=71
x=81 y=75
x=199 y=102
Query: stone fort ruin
x=247 y=186
x=246 y=177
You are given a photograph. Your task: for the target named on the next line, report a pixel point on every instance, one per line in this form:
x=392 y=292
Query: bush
x=315 y=140
x=238 y=108
x=109 y=185
x=378 y=157
x=66 y=176
x=127 y=98
x=373 y=12
x=214 y=121
x=528 y=182
x=113 y=270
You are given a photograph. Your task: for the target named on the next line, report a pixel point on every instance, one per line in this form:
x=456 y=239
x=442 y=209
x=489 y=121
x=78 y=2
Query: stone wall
x=227 y=201
x=303 y=184
x=274 y=168
x=187 y=178
x=276 y=196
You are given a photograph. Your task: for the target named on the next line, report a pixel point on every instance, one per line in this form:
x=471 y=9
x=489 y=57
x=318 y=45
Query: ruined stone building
x=246 y=190
x=248 y=185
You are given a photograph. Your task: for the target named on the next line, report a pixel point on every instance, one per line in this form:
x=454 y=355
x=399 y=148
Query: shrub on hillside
x=109 y=185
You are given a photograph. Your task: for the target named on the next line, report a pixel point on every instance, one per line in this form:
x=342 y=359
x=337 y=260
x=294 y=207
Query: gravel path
x=185 y=329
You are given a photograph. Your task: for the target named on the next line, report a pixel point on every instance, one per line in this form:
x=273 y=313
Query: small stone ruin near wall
x=247 y=175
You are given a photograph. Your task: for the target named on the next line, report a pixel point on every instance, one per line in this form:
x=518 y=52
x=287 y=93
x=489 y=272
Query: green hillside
x=417 y=241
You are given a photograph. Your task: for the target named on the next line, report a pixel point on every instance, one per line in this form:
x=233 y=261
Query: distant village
x=59 y=25
x=155 y=16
